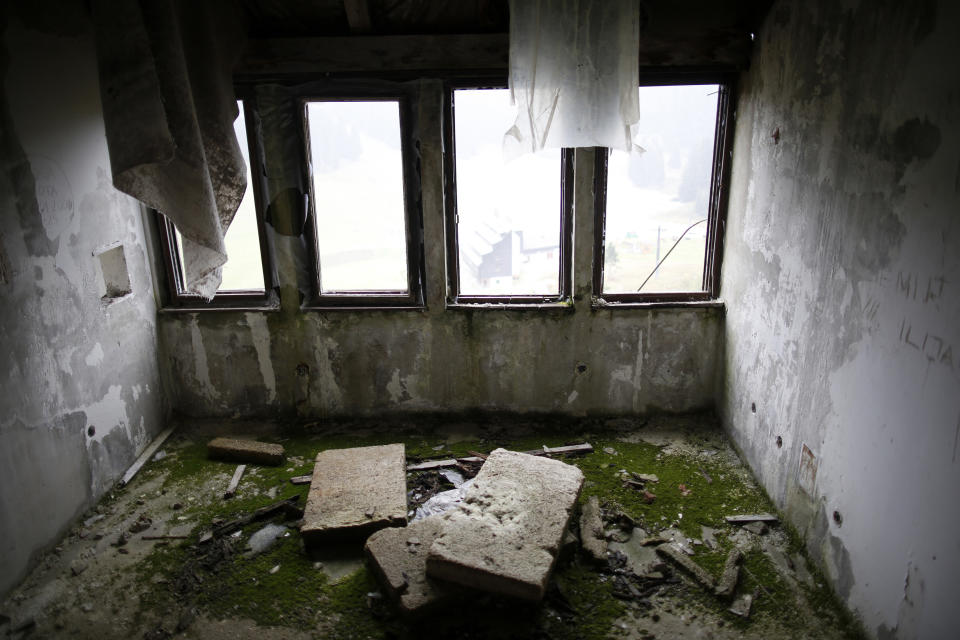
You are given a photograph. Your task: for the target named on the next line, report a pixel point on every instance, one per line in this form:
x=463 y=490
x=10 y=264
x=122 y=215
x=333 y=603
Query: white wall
x=72 y=365
x=842 y=284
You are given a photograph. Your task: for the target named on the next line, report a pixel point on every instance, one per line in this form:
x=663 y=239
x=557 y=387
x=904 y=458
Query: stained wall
x=842 y=288
x=80 y=388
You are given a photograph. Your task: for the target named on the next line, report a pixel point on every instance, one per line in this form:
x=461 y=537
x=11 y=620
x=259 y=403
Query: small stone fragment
x=758 y=528
x=233 y=450
x=731 y=573
x=610 y=451
x=741 y=606
x=591 y=531
x=696 y=571
x=77 y=567
x=707 y=533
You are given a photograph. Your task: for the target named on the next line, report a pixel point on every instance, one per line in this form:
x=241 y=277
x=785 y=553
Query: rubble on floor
x=193 y=565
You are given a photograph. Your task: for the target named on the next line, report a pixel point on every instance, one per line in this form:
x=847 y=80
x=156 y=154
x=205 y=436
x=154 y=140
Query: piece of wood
x=146 y=455
x=697 y=572
x=300 y=479
x=706 y=476
x=755 y=517
x=426 y=465
x=352 y=54
x=234 y=482
x=260 y=514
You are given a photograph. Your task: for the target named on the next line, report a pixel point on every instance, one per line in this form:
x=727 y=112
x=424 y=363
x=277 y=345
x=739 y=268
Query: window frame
x=565 y=274
x=177 y=299
x=406 y=98
x=717 y=209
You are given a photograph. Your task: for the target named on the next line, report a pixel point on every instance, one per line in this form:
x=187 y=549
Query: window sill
x=562 y=307
x=313 y=308
x=268 y=303
x=600 y=304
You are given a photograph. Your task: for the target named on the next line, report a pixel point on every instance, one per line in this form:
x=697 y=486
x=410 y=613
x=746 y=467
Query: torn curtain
x=166 y=82
x=574 y=72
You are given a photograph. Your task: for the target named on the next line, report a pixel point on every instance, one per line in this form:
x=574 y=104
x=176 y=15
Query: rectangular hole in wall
x=116 y=278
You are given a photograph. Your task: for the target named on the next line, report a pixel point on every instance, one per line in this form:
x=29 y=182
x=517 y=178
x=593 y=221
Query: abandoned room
x=479 y=319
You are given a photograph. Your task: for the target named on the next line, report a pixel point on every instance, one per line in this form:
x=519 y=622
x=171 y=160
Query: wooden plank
x=146 y=455
x=726 y=49
x=353 y=54
x=426 y=465
x=300 y=479
x=756 y=517
x=234 y=482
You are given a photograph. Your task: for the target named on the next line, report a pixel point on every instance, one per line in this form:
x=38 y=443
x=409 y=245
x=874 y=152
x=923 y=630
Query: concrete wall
x=572 y=360
x=80 y=389
x=842 y=285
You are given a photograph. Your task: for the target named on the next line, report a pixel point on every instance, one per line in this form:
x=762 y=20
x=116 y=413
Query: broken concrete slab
x=399 y=558
x=355 y=492
x=505 y=535
x=591 y=531
x=730 y=575
x=233 y=450
x=697 y=572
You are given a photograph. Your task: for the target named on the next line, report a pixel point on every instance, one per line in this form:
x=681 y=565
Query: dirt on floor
x=135 y=566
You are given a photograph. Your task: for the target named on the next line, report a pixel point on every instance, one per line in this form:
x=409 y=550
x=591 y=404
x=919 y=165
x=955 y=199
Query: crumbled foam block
x=355 y=492
x=250 y=451
x=505 y=535
x=399 y=558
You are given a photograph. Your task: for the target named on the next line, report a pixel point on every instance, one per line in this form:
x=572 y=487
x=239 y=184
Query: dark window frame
x=406 y=98
x=565 y=274
x=717 y=211
x=175 y=297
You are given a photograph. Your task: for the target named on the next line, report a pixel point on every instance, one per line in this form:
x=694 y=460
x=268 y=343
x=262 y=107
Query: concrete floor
x=107 y=579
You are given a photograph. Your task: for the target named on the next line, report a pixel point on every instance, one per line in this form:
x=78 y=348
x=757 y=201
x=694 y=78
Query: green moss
x=300 y=596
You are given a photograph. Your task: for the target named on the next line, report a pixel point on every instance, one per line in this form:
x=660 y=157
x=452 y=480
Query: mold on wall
x=81 y=389
x=841 y=284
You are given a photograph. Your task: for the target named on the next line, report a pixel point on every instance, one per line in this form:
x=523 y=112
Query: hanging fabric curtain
x=573 y=74
x=166 y=83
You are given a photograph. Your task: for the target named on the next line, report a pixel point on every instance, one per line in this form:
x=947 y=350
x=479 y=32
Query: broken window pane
x=243 y=270
x=357 y=165
x=508 y=213
x=658 y=201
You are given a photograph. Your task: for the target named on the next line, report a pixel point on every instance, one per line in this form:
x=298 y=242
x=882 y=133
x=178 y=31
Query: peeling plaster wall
x=73 y=365
x=351 y=363
x=842 y=284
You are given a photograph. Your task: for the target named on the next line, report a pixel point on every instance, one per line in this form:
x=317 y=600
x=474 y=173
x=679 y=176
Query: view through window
x=657 y=202
x=357 y=164
x=243 y=270
x=508 y=212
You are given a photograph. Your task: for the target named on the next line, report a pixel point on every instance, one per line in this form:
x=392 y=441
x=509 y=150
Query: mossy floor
x=93 y=587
